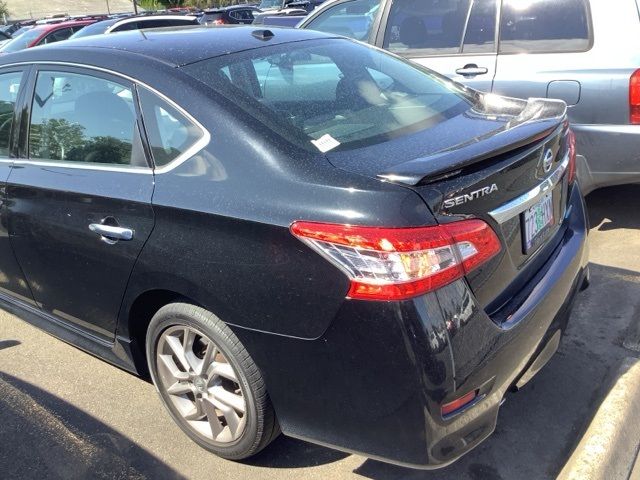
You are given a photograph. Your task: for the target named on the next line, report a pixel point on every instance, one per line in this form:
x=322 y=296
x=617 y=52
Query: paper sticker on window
x=325 y=143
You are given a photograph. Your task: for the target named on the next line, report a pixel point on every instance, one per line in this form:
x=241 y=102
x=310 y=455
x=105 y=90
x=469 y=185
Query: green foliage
x=162 y=4
x=58 y=139
x=4 y=9
x=151 y=4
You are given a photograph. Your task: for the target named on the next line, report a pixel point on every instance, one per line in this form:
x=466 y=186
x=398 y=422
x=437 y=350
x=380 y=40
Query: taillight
x=634 y=98
x=400 y=263
x=571 y=169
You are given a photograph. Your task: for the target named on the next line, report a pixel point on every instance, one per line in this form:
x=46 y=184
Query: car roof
x=181 y=45
x=48 y=27
x=229 y=8
x=147 y=18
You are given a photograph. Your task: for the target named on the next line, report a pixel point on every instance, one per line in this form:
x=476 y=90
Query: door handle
x=471 y=70
x=109 y=232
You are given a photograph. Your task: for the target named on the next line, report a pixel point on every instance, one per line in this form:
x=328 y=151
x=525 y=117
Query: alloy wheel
x=201 y=384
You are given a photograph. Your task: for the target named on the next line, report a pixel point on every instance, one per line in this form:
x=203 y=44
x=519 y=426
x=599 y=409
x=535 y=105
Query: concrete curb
x=609 y=448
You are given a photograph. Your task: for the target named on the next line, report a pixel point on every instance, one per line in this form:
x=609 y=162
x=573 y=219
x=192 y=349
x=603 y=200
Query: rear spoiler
x=537 y=120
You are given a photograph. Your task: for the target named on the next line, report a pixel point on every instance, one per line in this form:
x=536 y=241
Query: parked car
x=287 y=17
x=10 y=28
x=5 y=38
x=114 y=25
x=291 y=232
x=229 y=15
x=44 y=34
x=580 y=51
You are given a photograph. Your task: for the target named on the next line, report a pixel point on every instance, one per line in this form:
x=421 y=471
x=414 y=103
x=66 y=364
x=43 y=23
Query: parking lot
x=66 y=414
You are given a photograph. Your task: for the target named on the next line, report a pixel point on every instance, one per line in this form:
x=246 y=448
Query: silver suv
x=585 y=52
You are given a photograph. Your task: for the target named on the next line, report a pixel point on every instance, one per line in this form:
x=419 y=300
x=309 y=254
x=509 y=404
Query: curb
x=609 y=448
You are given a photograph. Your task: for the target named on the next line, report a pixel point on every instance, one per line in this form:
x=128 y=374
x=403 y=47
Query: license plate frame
x=536 y=222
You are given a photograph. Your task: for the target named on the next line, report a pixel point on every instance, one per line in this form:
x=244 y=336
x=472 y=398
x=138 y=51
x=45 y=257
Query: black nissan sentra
x=290 y=233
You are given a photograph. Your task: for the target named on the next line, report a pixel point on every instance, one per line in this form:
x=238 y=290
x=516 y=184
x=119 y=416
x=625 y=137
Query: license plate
x=537 y=220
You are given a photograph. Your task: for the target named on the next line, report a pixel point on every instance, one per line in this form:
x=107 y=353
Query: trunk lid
x=502 y=161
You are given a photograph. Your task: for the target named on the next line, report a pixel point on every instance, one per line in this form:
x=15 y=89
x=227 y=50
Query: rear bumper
x=608 y=155
x=374 y=382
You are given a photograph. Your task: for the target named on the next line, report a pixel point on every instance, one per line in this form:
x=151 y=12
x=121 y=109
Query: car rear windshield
x=332 y=93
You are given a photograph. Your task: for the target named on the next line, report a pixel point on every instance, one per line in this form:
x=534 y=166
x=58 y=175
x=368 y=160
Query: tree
x=4 y=10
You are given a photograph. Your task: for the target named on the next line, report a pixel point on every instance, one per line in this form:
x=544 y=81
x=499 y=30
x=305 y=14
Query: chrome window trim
x=528 y=199
x=179 y=160
x=150 y=18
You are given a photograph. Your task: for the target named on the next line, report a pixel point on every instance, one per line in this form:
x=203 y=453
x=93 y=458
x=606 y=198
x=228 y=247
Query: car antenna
x=263 y=34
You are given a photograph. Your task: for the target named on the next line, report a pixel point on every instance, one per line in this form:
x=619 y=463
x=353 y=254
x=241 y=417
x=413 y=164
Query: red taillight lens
x=571 y=169
x=634 y=98
x=400 y=263
x=449 y=408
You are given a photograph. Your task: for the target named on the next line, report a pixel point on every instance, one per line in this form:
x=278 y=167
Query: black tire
x=261 y=426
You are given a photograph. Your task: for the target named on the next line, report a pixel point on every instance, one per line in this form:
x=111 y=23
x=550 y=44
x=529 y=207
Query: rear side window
x=159 y=23
x=353 y=19
x=57 y=36
x=9 y=89
x=538 y=26
x=81 y=118
x=432 y=26
x=480 y=33
x=170 y=133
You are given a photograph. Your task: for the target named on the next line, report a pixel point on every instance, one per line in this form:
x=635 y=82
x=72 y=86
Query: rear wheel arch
x=139 y=315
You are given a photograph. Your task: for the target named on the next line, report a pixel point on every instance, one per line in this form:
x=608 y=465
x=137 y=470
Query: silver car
x=585 y=52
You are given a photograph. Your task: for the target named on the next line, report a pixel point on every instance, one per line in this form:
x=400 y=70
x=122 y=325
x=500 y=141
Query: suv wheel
x=208 y=382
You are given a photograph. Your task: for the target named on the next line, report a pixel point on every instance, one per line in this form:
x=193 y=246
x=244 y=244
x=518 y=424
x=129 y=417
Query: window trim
x=102 y=76
x=587 y=4
x=14 y=133
x=32 y=67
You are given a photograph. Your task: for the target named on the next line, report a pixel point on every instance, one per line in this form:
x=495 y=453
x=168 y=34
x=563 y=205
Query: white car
x=114 y=25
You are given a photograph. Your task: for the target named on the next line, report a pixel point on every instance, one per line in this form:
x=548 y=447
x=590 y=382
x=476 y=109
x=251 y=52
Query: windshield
x=20 y=31
x=22 y=42
x=332 y=94
x=94 y=29
x=270 y=4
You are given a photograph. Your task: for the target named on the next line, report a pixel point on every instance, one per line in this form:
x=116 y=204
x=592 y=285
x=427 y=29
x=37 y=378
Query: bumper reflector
x=449 y=408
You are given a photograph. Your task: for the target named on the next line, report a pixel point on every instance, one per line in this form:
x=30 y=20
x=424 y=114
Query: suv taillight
x=634 y=98
x=571 y=169
x=399 y=263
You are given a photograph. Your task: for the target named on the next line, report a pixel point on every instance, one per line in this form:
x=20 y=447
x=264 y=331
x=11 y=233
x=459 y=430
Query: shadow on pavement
x=287 y=452
x=8 y=343
x=615 y=207
x=42 y=436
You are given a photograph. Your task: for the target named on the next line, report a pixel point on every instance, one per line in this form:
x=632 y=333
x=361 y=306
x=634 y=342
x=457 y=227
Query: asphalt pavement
x=65 y=414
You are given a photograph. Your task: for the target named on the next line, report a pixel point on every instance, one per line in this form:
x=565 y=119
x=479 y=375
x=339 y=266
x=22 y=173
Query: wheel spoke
x=222 y=370
x=209 y=410
x=228 y=398
x=231 y=417
x=168 y=366
x=178 y=350
x=210 y=353
x=196 y=413
x=180 y=388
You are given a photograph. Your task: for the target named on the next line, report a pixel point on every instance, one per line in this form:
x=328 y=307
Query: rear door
x=79 y=201
x=456 y=38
